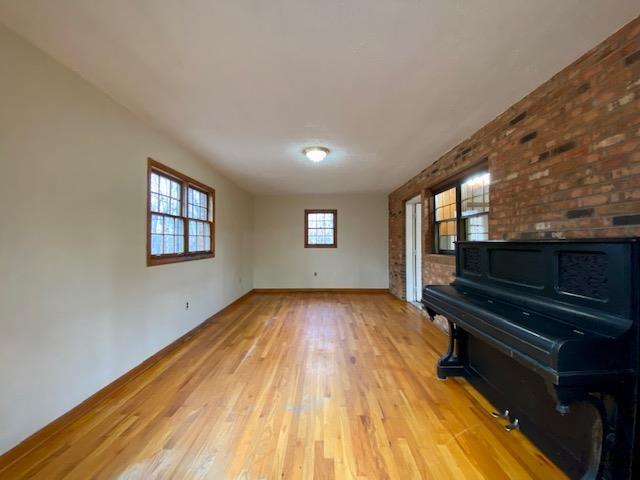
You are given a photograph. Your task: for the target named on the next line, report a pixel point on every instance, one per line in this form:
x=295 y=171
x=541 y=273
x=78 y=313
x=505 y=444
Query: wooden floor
x=308 y=385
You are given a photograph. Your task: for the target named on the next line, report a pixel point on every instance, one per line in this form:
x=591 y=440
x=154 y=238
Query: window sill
x=155 y=261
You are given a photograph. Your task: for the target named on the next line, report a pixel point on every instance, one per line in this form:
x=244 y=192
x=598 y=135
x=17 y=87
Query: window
x=446 y=214
x=462 y=208
x=320 y=228
x=474 y=206
x=180 y=217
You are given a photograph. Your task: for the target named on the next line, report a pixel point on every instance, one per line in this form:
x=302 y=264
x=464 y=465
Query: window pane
x=175 y=207
x=447 y=235
x=199 y=236
x=165 y=195
x=446 y=204
x=156 y=223
x=164 y=186
x=478 y=227
x=168 y=245
x=166 y=235
x=198 y=204
x=156 y=244
x=475 y=195
x=169 y=226
x=179 y=244
x=446 y=243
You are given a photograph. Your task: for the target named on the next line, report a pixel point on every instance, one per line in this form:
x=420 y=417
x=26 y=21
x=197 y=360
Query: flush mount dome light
x=316 y=154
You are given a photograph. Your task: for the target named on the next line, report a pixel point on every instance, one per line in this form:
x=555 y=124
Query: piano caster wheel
x=504 y=414
x=515 y=425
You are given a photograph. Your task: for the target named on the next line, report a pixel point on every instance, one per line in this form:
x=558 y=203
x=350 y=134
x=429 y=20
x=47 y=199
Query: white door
x=413 y=240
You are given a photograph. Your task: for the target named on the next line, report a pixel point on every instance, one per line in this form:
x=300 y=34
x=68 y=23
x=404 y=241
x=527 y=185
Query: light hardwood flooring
x=295 y=385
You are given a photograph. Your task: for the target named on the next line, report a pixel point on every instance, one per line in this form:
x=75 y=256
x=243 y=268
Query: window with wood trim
x=180 y=218
x=461 y=210
x=320 y=228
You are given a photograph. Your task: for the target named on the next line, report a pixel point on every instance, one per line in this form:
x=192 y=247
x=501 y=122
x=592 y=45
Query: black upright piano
x=548 y=331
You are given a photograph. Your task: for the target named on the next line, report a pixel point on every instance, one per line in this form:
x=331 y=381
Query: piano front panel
x=567 y=440
x=588 y=276
x=517 y=267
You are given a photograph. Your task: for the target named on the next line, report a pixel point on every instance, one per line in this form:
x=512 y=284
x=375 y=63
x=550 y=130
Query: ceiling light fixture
x=316 y=154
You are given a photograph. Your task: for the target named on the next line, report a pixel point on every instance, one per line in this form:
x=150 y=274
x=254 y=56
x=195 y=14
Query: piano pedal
x=515 y=425
x=504 y=414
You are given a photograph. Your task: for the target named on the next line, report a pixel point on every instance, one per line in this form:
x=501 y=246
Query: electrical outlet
x=186 y=306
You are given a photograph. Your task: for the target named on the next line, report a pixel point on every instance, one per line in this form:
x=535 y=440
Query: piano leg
x=453 y=363
x=565 y=397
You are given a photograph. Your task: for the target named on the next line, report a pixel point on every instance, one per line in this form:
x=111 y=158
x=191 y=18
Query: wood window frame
x=455 y=181
x=154 y=166
x=335 y=228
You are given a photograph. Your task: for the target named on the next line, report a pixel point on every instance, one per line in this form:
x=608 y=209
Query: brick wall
x=564 y=161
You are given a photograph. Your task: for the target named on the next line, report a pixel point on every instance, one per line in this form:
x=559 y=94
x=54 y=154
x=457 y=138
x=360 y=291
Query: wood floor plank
x=309 y=385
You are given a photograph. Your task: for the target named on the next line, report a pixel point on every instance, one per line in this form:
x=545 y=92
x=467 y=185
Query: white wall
x=360 y=261
x=78 y=306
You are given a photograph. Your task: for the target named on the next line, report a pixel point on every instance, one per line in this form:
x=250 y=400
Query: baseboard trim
x=322 y=290
x=40 y=436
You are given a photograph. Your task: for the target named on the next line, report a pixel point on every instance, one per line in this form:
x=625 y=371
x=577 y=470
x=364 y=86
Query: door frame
x=413 y=249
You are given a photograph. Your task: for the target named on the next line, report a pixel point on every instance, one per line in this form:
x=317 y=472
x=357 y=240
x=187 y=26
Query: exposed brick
x=584 y=181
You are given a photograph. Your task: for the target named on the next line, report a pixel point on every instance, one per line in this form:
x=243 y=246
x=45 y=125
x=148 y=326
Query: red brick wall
x=564 y=161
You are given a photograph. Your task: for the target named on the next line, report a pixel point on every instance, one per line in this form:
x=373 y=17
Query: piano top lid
x=555 y=240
